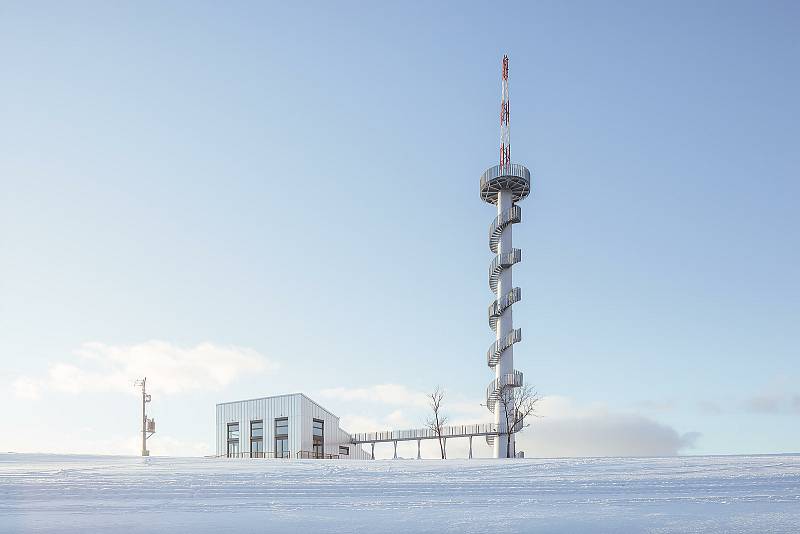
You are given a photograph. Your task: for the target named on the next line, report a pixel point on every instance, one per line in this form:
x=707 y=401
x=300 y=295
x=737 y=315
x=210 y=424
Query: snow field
x=59 y=493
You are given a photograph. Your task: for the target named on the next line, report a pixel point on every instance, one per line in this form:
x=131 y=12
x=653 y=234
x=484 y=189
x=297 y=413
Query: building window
x=282 y=438
x=344 y=451
x=233 y=440
x=256 y=439
x=318 y=436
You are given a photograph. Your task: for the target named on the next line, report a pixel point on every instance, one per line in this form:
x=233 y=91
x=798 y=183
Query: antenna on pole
x=148 y=425
x=505 y=134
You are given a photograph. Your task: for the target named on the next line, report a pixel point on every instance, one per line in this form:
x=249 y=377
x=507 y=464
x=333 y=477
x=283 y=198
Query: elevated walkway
x=462 y=431
x=488 y=430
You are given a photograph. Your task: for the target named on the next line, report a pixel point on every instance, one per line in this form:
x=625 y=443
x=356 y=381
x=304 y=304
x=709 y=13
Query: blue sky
x=251 y=199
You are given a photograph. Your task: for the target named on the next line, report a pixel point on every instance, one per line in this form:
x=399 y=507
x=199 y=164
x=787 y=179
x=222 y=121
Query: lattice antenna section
x=505 y=134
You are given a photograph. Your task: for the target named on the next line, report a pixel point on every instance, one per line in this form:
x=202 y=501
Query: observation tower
x=503 y=185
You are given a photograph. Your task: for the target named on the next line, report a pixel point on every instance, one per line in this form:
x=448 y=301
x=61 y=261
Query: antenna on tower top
x=505 y=134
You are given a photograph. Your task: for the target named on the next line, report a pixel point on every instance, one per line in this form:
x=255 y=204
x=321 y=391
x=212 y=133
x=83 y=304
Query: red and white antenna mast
x=505 y=134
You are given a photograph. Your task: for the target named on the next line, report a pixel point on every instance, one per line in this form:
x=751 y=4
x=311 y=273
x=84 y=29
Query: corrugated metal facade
x=300 y=412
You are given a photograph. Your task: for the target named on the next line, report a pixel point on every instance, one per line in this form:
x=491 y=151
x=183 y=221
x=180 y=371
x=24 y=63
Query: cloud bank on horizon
x=564 y=428
x=173 y=369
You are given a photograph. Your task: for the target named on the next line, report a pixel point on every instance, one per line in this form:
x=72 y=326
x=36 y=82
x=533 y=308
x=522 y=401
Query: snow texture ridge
x=59 y=493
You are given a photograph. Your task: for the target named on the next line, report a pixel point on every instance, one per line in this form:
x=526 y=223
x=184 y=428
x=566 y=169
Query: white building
x=284 y=426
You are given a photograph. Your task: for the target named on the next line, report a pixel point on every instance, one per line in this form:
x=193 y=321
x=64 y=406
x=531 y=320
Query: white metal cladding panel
x=299 y=409
x=356 y=451
x=332 y=433
x=305 y=425
x=295 y=425
x=266 y=410
x=311 y=411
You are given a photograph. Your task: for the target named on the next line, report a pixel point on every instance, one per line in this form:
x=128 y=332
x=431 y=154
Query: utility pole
x=148 y=425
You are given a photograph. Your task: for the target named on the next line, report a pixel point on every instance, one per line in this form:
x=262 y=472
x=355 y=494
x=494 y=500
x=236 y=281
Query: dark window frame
x=321 y=427
x=257 y=442
x=318 y=441
x=282 y=438
x=257 y=421
x=279 y=420
x=232 y=441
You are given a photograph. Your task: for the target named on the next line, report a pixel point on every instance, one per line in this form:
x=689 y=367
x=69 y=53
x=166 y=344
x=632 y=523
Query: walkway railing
x=510 y=216
x=285 y=455
x=498 y=306
x=456 y=431
x=500 y=263
x=255 y=455
x=497 y=385
x=498 y=347
x=316 y=455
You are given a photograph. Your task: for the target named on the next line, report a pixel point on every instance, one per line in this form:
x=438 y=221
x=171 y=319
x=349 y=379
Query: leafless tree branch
x=517 y=405
x=437 y=420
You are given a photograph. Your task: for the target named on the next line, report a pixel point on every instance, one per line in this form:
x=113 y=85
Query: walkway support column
x=395 y=450
x=470 y=447
x=373 y=450
x=419 y=454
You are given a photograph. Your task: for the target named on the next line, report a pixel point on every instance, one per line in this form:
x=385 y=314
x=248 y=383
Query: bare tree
x=517 y=404
x=437 y=420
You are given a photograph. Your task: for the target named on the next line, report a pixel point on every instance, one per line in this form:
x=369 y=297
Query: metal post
x=144 y=419
x=419 y=454
x=505 y=365
x=470 y=447
x=373 y=450
x=395 y=450
x=145 y=430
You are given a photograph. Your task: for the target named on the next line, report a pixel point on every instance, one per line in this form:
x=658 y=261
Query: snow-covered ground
x=48 y=493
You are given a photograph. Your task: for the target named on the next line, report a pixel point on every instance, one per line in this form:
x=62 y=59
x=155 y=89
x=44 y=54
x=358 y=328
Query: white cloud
x=395 y=420
x=564 y=428
x=86 y=442
x=392 y=394
x=26 y=388
x=775 y=403
x=708 y=407
x=779 y=396
x=567 y=429
x=656 y=405
x=169 y=446
x=603 y=435
x=170 y=369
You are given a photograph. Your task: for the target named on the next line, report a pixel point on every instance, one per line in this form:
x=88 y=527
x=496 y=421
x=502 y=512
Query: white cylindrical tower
x=503 y=185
